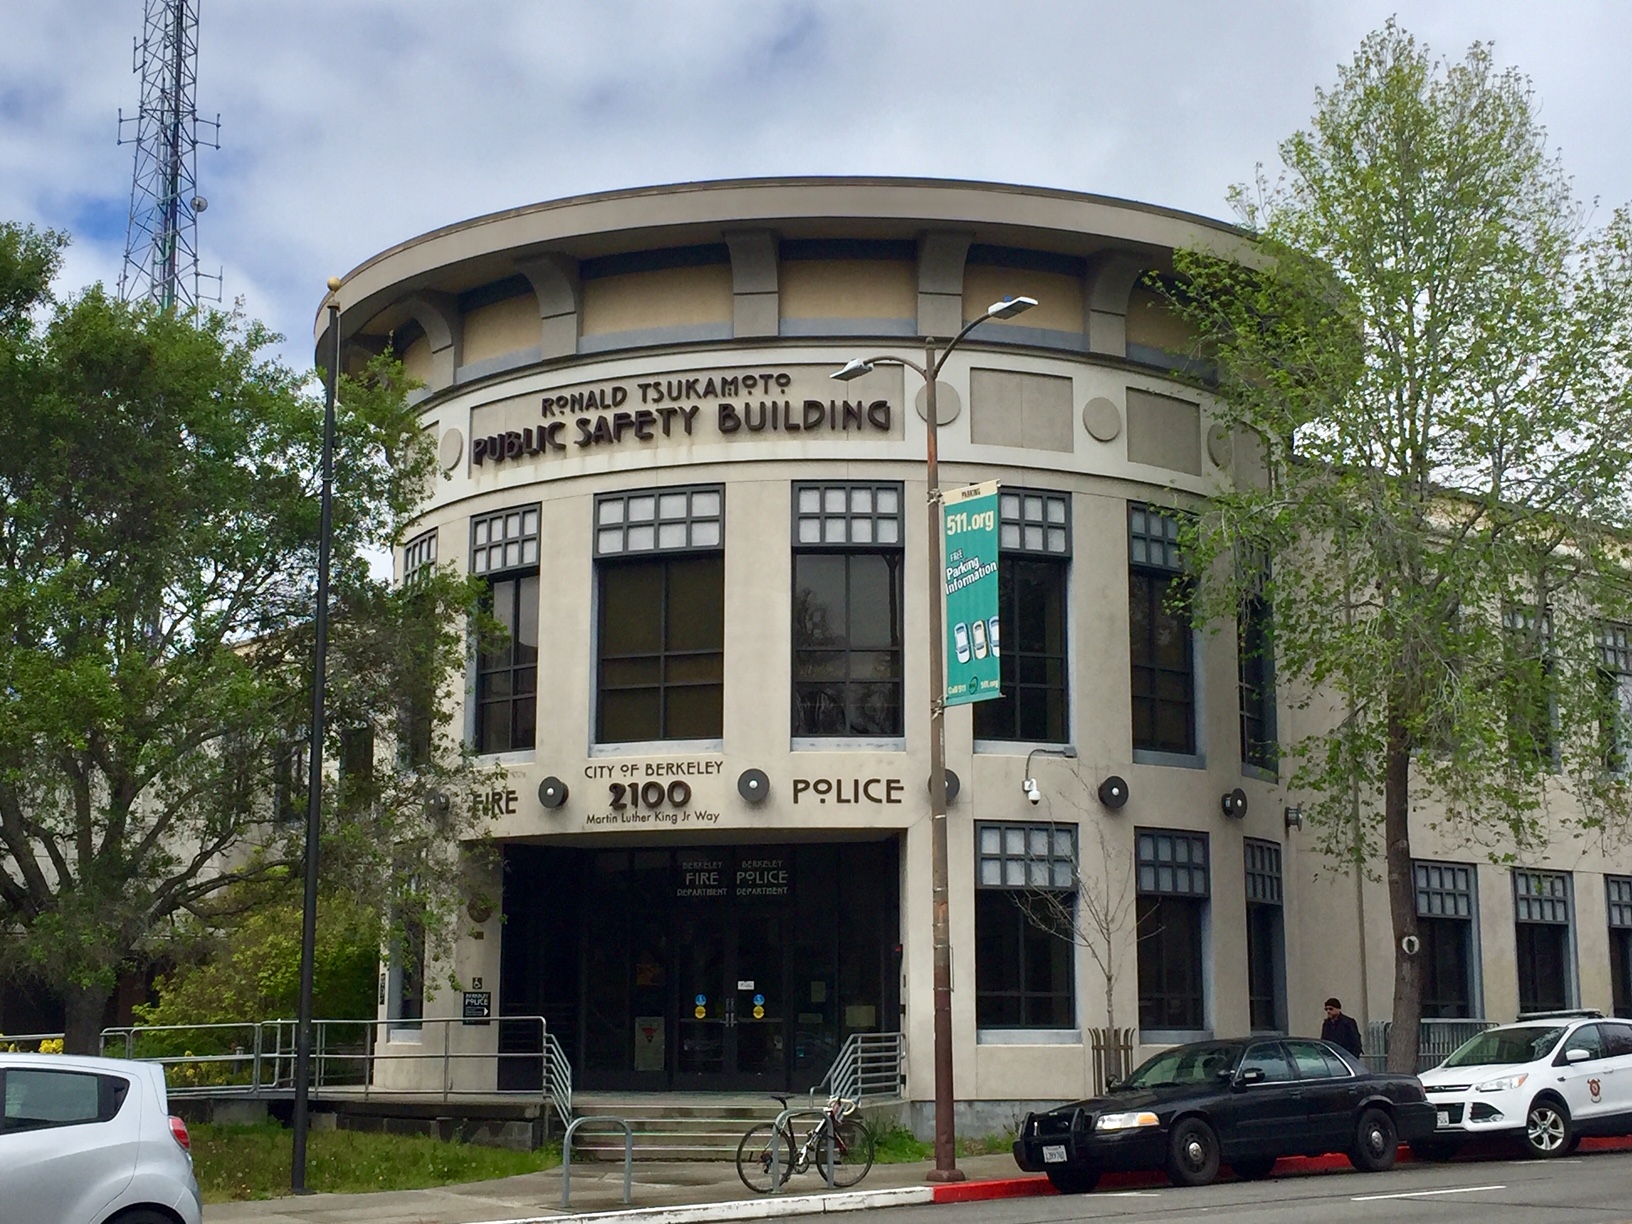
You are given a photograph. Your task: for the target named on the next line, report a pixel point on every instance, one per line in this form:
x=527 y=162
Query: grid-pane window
x=1615 y=681
x=419 y=556
x=847 y=593
x=1173 y=886
x=1256 y=680
x=661 y=614
x=1034 y=553
x=1161 y=650
x=1445 y=910
x=1541 y=911
x=504 y=550
x=1619 y=889
x=1265 y=934
x=1528 y=643
x=660 y=520
x=1025 y=911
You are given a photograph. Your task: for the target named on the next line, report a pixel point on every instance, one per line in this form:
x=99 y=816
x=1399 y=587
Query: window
x=1315 y=1061
x=356 y=768
x=847 y=609
x=1445 y=925
x=504 y=550
x=1265 y=935
x=405 y=1003
x=1619 y=889
x=415 y=705
x=661 y=615
x=1529 y=680
x=1173 y=887
x=1541 y=910
x=37 y=1099
x=418 y=556
x=1025 y=922
x=1256 y=677
x=1270 y=1058
x=1034 y=553
x=1615 y=681
x=1161 y=648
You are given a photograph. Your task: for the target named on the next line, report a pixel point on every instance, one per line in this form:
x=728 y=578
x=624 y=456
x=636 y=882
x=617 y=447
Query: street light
x=946 y=1156
x=314 y=777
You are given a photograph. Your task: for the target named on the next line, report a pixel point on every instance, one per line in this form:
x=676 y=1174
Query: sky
x=350 y=125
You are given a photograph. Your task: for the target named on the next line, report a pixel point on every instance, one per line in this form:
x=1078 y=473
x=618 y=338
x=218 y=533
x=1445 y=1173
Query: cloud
x=349 y=127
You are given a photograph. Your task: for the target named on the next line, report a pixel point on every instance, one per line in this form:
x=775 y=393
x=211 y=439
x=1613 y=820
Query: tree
x=158 y=538
x=1428 y=348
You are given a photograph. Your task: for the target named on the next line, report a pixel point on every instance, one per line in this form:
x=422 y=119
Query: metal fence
x=868 y=1065
x=1112 y=1050
x=1436 y=1041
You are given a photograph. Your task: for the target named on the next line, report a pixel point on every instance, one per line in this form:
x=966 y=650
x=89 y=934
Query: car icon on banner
x=960 y=641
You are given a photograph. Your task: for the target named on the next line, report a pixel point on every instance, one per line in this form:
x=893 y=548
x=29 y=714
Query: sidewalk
x=596 y=1186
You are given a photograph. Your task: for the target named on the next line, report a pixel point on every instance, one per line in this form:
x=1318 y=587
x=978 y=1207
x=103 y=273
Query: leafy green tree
x=158 y=542
x=1427 y=347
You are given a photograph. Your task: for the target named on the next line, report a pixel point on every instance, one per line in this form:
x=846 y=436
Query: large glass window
x=1034 y=552
x=1619 y=889
x=415 y=708
x=1445 y=927
x=1025 y=923
x=1528 y=644
x=1541 y=911
x=1615 y=679
x=661 y=615
x=1161 y=649
x=504 y=550
x=847 y=591
x=1256 y=667
x=1173 y=887
x=1266 y=969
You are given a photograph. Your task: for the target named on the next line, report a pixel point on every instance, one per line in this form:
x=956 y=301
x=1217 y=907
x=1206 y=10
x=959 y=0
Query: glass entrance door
x=703 y=1003
x=731 y=1014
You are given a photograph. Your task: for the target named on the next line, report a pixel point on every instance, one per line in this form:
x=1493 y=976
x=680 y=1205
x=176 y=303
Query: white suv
x=1551 y=1078
x=89 y=1140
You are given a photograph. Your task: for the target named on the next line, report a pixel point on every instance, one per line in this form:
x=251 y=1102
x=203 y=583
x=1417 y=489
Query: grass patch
x=897 y=1146
x=253 y=1162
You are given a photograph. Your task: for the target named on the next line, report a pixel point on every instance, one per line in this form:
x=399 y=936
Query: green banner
x=969 y=549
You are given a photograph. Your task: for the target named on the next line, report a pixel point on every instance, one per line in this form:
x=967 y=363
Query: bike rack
x=628 y=1156
x=782 y=1119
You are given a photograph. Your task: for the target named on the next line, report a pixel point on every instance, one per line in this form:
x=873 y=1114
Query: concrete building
x=712 y=556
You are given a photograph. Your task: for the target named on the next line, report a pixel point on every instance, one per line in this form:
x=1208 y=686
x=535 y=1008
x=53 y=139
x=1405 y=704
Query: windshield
x=1507 y=1045
x=1196 y=1064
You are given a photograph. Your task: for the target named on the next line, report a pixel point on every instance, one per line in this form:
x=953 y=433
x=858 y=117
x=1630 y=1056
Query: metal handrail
x=566 y=1155
x=867 y=1065
x=558 y=1078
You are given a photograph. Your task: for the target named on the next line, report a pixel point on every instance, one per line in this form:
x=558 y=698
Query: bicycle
x=767 y=1145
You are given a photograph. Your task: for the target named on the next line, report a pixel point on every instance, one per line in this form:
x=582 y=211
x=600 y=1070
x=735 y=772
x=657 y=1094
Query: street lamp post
x=946 y=1156
x=314 y=777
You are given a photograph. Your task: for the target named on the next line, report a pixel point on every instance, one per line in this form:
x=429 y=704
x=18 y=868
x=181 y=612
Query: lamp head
x=1034 y=795
x=1009 y=307
x=854 y=368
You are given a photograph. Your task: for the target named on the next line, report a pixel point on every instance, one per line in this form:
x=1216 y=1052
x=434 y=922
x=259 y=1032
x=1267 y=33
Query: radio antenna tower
x=161 y=237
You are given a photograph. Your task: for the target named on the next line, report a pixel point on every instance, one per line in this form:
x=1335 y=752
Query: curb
x=1028 y=1186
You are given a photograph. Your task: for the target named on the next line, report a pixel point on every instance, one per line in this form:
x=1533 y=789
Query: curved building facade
x=713 y=716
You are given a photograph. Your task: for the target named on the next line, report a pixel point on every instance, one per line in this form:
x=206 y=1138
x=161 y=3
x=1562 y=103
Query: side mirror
x=1575 y=1056
x=1252 y=1075
x=1112 y=1084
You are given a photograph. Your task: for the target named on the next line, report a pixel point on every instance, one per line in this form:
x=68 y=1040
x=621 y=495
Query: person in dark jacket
x=1341 y=1030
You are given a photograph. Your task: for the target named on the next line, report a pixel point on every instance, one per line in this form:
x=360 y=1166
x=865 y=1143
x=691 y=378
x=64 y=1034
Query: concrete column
x=756 y=307
x=438 y=314
x=941 y=255
x=554 y=279
x=1110 y=279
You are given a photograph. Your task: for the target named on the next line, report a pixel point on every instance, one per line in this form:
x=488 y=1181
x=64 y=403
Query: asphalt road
x=1581 y=1189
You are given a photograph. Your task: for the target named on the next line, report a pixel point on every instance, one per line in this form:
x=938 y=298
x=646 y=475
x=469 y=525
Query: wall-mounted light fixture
x=552 y=792
x=753 y=785
x=1113 y=792
x=1294 y=817
x=1234 y=803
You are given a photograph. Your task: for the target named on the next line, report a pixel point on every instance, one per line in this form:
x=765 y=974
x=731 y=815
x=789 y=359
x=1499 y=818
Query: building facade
x=713 y=710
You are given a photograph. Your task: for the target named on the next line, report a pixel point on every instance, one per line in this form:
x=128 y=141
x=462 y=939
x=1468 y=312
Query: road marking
x=1372 y=1198
x=1132 y=1194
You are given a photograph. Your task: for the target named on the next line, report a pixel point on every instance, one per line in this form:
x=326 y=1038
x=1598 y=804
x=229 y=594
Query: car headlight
x=1504 y=1084
x=1125 y=1121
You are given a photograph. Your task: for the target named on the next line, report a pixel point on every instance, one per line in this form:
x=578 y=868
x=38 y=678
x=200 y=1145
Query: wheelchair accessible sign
x=969 y=552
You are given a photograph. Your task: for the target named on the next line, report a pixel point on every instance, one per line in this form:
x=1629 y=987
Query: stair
x=670 y=1125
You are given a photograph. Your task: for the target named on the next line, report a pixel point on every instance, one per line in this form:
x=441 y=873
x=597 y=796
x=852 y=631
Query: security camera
x=1032 y=793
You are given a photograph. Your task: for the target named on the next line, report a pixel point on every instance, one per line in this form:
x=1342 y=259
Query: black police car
x=1240 y=1103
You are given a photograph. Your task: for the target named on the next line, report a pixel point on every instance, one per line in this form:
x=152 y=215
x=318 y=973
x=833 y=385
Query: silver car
x=85 y=1140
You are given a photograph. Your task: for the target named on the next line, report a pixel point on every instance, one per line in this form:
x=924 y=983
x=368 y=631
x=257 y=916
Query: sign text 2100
x=652 y=794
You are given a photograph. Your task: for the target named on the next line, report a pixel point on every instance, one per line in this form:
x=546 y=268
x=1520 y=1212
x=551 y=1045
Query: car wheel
x=142 y=1216
x=1547 y=1128
x=1434 y=1151
x=1376 y=1143
x=1192 y=1158
x=1073 y=1181
x=1253 y=1170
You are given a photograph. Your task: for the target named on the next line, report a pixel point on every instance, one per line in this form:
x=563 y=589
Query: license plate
x=1444 y=1118
x=1054 y=1153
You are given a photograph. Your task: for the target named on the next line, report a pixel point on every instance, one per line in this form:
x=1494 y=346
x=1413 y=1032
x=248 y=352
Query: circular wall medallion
x=451 y=449
x=552 y=792
x=1102 y=419
x=753 y=785
x=948 y=403
x=1219 y=448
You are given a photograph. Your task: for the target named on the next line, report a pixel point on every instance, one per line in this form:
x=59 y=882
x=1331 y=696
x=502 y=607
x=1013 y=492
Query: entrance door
x=731 y=1021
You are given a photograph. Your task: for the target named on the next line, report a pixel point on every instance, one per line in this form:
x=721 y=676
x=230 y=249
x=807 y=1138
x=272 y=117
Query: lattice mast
x=161 y=237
